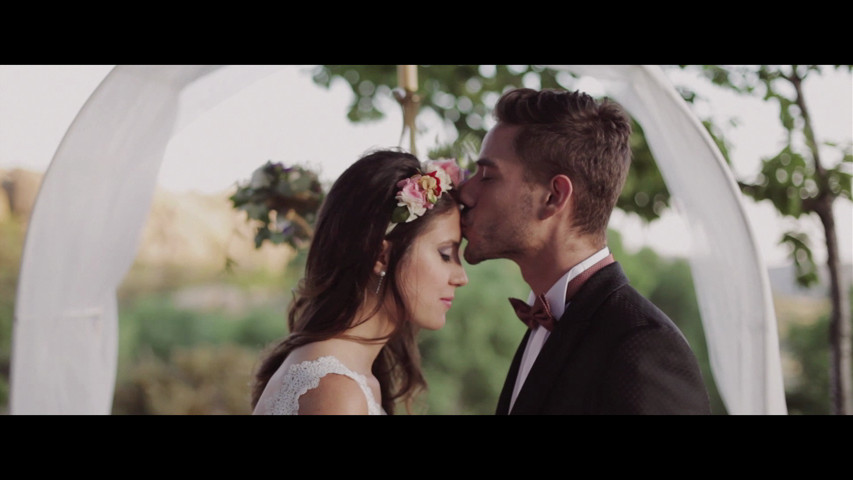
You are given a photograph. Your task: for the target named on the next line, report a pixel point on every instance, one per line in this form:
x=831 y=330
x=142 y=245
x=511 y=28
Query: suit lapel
x=564 y=339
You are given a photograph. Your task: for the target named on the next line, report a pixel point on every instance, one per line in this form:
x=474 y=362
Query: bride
x=384 y=262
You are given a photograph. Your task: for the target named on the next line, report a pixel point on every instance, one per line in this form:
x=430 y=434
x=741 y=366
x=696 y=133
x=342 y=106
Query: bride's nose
x=459 y=277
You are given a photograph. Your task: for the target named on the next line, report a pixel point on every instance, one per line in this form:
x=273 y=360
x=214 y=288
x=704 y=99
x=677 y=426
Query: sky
x=285 y=117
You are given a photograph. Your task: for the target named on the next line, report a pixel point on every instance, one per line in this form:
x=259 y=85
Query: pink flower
x=411 y=196
x=421 y=191
x=447 y=171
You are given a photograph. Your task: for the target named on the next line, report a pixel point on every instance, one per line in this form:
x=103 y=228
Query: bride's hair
x=347 y=242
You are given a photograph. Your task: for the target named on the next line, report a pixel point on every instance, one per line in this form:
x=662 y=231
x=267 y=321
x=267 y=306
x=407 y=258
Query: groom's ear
x=382 y=262
x=559 y=192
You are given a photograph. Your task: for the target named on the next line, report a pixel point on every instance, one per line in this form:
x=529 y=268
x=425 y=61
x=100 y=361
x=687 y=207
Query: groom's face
x=498 y=205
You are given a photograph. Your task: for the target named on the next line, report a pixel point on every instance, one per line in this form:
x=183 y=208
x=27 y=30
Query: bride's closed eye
x=450 y=254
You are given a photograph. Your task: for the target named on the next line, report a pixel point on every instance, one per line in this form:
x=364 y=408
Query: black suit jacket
x=612 y=352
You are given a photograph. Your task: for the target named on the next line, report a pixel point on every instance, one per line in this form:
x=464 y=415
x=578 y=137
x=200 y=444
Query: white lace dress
x=303 y=376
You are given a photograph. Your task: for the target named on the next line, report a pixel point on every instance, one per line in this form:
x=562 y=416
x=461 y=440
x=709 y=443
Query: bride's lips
x=447 y=301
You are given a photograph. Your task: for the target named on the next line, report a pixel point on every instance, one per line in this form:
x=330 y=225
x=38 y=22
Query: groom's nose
x=467 y=193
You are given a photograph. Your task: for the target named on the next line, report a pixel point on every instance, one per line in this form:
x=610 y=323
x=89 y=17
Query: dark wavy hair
x=571 y=133
x=347 y=242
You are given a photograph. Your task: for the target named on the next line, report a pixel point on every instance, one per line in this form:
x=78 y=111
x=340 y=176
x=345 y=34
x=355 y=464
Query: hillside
x=185 y=230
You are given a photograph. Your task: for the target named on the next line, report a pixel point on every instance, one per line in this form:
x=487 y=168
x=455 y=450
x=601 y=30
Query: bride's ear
x=381 y=265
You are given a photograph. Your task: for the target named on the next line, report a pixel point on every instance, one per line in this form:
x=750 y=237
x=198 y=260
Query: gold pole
x=407 y=96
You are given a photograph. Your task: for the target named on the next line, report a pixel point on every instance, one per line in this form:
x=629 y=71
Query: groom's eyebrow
x=487 y=163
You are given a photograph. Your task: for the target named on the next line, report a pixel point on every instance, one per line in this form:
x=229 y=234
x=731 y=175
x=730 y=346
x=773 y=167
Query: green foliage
x=839 y=178
x=200 y=380
x=810 y=359
x=785 y=180
x=179 y=360
x=801 y=252
x=283 y=201
x=461 y=95
x=794 y=180
x=645 y=193
x=260 y=327
x=157 y=324
x=153 y=321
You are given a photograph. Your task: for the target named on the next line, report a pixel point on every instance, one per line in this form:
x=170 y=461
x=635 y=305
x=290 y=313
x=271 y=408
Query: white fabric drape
x=85 y=228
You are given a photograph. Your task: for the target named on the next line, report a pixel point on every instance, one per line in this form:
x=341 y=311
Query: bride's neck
x=365 y=339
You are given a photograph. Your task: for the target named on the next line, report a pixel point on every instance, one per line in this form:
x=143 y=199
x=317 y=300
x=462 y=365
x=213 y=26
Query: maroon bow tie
x=538 y=314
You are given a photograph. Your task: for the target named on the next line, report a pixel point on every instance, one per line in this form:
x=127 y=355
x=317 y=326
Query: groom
x=548 y=177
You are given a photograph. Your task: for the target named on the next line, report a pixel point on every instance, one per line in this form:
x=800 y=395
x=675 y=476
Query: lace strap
x=306 y=375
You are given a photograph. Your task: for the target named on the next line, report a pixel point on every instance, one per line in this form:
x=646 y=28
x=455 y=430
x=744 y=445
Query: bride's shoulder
x=325 y=353
x=334 y=386
x=308 y=383
x=334 y=394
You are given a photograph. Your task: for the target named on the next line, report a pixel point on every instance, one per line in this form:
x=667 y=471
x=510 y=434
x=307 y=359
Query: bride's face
x=433 y=270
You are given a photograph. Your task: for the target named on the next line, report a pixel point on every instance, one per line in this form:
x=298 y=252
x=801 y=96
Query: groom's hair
x=572 y=134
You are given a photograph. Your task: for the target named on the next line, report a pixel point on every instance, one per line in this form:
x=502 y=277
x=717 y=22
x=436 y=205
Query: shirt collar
x=556 y=296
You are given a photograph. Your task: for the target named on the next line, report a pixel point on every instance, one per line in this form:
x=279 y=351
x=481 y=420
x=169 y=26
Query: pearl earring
x=379 y=285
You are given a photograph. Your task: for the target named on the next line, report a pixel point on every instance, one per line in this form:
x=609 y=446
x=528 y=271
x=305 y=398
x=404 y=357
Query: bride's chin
x=436 y=325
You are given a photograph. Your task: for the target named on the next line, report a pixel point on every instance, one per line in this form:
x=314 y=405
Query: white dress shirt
x=556 y=297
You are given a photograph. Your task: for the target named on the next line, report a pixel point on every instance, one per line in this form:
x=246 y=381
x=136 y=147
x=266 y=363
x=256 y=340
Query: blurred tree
x=799 y=181
x=463 y=97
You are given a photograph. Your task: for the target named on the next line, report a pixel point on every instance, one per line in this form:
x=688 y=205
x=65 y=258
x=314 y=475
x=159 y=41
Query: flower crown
x=421 y=191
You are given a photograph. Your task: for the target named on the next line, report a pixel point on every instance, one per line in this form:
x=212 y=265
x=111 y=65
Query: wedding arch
x=84 y=233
